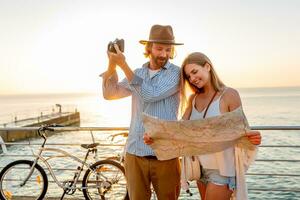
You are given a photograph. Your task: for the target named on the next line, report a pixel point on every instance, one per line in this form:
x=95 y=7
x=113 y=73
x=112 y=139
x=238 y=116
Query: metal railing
x=273 y=128
x=285 y=128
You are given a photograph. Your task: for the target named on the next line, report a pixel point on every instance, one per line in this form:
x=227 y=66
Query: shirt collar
x=166 y=66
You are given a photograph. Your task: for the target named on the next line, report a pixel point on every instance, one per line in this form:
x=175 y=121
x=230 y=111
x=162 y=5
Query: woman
x=218 y=169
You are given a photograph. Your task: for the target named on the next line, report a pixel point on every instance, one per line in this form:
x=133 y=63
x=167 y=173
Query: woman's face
x=197 y=75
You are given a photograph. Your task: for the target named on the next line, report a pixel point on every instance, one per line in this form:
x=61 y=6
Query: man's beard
x=160 y=61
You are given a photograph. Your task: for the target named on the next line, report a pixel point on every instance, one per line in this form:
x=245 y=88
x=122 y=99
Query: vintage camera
x=120 y=43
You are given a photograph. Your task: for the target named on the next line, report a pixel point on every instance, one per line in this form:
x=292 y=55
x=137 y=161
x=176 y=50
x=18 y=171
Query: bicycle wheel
x=13 y=175
x=106 y=180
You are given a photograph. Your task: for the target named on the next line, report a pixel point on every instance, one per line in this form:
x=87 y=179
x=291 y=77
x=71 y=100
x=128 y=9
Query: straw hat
x=161 y=34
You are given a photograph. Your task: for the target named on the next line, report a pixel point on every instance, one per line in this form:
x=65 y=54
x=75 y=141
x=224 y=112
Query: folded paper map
x=195 y=137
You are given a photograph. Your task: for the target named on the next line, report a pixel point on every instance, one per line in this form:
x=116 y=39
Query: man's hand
x=117 y=58
x=147 y=139
x=111 y=68
x=254 y=137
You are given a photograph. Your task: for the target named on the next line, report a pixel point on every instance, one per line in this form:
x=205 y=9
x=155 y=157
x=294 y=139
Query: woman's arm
x=232 y=101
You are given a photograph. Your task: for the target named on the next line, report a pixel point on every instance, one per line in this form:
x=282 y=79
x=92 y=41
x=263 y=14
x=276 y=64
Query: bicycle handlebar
x=50 y=127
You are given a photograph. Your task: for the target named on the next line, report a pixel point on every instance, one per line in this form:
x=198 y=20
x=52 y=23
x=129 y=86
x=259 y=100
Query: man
x=155 y=90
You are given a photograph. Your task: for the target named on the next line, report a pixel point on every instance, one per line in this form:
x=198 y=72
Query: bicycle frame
x=62 y=153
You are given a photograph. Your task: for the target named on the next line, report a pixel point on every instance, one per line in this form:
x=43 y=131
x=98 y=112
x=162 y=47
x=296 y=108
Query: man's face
x=160 y=54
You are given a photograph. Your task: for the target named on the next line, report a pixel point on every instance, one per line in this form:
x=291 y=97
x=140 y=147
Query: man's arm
x=111 y=89
x=147 y=91
x=120 y=60
x=110 y=71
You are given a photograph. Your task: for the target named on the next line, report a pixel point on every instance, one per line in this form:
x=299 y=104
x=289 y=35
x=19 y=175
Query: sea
x=262 y=106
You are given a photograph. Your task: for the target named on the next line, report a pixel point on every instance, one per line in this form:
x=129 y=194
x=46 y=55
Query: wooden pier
x=61 y=118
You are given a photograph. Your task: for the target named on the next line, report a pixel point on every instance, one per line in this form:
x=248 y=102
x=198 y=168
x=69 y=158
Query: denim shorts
x=213 y=176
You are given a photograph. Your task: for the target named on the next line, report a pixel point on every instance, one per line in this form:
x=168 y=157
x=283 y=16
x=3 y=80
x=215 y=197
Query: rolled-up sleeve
x=112 y=89
x=152 y=92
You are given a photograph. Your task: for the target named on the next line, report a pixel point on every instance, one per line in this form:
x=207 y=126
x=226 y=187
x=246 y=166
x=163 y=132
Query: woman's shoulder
x=229 y=92
x=231 y=98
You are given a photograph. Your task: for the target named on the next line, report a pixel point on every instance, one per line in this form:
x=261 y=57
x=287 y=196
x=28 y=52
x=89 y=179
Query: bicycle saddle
x=89 y=146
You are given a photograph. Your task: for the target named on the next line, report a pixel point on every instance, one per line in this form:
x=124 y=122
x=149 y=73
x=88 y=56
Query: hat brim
x=144 y=42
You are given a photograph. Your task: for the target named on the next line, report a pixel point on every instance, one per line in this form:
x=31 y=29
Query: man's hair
x=148 y=47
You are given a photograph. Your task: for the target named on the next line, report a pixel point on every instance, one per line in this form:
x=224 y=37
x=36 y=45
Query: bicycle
x=105 y=179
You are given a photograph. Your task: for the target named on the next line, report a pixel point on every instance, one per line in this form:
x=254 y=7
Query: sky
x=59 y=46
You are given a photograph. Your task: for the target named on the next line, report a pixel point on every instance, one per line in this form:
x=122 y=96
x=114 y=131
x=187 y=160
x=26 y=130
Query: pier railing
x=295 y=189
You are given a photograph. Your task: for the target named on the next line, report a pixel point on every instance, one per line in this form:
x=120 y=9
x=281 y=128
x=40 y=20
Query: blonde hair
x=185 y=86
x=148 y=47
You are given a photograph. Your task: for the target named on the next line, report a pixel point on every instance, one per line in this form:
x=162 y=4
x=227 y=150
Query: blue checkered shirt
x=157 y=96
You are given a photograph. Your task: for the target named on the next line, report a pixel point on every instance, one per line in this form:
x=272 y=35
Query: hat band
x=161 y=41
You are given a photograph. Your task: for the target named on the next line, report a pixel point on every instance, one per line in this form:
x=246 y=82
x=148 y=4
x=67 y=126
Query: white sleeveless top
x=224 y=160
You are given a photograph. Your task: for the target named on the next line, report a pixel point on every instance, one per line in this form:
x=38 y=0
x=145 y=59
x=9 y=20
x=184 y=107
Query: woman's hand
x=254 y=137
x=147 y=139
